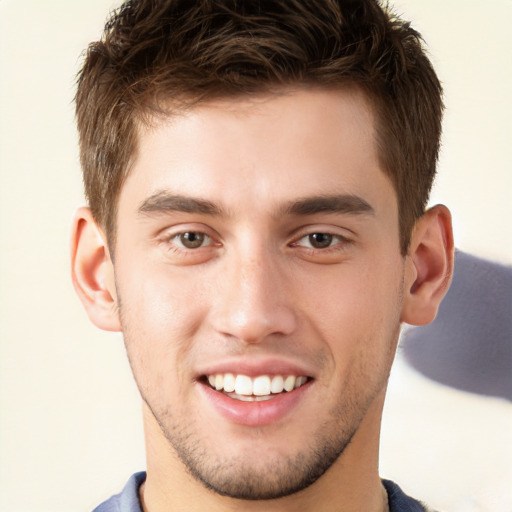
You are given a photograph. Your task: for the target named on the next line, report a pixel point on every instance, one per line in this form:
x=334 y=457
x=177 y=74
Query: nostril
x=252 y=326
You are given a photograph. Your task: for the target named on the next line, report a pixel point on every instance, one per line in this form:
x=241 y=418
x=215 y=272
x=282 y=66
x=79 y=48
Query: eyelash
x=174 y=246
x=178 y=236
x=337 y=242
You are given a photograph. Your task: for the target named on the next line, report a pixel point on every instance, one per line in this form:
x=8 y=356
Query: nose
x=254 y=298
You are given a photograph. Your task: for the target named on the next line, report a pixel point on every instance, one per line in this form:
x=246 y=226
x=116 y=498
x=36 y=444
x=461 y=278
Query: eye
x=192 y=246
x=191 y=239
x=319 y=240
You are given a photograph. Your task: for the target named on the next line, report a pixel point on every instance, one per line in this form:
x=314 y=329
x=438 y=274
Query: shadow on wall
x=469 y=344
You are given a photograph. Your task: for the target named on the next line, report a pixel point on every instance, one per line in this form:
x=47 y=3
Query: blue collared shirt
x=128 y=499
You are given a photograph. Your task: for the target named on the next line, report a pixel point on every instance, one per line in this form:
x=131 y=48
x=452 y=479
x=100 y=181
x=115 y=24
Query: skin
x=253 y=176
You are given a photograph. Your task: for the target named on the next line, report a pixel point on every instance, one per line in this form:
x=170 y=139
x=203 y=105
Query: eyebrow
x=340 y=204
x=163 y=202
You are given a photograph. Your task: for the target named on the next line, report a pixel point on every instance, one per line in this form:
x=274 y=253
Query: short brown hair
x=158 y=51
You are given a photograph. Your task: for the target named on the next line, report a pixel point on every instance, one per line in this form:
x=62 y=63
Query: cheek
x=159 y=315
x=356 y=309
x=160 y=300
x=356 y=290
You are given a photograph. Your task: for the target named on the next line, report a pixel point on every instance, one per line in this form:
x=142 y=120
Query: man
x=257 y=176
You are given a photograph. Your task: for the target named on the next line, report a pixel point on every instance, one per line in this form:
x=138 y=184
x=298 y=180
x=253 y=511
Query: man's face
x=257 y=248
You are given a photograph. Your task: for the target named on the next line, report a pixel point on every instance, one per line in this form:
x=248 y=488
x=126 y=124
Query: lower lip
x=254 y=414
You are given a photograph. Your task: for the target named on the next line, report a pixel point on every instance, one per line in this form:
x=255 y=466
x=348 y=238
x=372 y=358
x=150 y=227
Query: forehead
x=259 y=150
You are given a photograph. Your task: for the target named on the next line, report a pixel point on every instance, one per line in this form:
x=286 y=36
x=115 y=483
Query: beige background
x=70 y=428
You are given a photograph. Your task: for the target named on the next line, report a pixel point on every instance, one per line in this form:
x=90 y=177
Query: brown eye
x=192 y=240
x=320 y=240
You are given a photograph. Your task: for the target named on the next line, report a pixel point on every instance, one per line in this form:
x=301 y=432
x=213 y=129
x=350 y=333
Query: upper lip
x=254 y=366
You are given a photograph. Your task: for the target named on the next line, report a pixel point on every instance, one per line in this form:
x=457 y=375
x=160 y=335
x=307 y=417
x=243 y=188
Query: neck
x=351 y=484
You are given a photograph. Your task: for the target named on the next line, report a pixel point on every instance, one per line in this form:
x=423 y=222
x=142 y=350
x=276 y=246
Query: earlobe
x=429 y=266
x=92 y=272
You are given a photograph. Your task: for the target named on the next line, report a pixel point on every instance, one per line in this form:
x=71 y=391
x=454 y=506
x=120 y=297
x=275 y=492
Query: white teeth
x=243 y=385
x=250 y=398
x=260 y=386
x=229 y=382
x=277 y=384
x=289 y=383
x=219 y=382
x=298 y=382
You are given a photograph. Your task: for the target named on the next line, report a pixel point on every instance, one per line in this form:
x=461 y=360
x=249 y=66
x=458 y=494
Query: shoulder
x=127 y=500
x=400 y=502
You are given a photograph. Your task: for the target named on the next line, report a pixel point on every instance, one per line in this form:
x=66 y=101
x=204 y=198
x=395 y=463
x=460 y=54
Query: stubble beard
x=242 y=479
x=282 y=476
x=278 y=477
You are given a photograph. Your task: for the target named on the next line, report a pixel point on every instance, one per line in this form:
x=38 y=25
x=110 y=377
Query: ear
x=429 y=266
x=92 y=272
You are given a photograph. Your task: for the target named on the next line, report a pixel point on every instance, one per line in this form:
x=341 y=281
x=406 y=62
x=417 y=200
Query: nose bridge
x=253 y=300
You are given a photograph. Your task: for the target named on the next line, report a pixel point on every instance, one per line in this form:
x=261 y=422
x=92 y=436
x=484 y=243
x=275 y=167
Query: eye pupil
x=320 y=240
x=192 y=240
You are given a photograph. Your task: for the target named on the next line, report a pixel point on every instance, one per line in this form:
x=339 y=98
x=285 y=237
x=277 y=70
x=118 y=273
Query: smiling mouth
x=254 y=389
